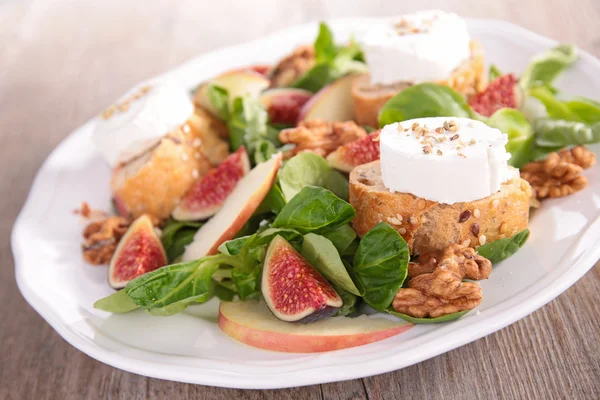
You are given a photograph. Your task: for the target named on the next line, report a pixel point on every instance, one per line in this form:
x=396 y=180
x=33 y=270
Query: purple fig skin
x=323 y=313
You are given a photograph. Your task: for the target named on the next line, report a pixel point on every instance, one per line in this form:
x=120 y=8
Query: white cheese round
x=139 y=119
x=444 y=159
x=421 y=47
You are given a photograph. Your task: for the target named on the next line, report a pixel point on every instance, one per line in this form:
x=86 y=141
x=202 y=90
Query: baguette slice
x=154 y=182
x=468 y=79
x=428 y=225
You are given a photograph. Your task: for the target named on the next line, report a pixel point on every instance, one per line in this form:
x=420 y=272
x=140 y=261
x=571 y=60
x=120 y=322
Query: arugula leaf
x=561 y=133
x=247 y=124
x=324 y=257
x=219 y=98
x=176 y=235
x=437 y=320
x=117 y=302
x=341 y=237
x=314 y=209
x=425 y=100
x=494 y=73
x=381 y=265
x=547 y=66
x=309 y=169
x=171 y=289
x=501 y=249
x=519 y=131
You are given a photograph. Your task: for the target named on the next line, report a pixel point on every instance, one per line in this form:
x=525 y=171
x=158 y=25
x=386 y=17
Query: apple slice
x=237 y=209
x=284 y=104
x=252 y=323
x=332 y=103
x=237 y=84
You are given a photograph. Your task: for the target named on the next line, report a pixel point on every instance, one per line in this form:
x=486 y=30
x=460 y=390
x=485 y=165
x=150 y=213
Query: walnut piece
x=292 y=67
x=101 y=239
x=436 y=287
x=320 y=137
x=559 y=174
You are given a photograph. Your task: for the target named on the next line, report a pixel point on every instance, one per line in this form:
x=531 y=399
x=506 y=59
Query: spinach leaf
x=219 y=98
x=381 y=265
x=587 y=110
x=425 y=100
x=341 y=237
x=314 y=209
x=414 y=320
x=176 y=235
x=117 y=302
x=316 y=78
x=273 y=202
x=324 y=257
x=309 y=169
x=325 y=50
x=350 y=302
x=561 y=133
x=172 y=288
x=547 y=66
x=247 y=124
x=501 y=249
x=519 y=131
x=494 y=73
x=290 y=235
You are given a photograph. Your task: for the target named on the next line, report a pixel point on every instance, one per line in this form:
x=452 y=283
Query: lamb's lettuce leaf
x=561 y=133
x=545 y=67
x=380 y=265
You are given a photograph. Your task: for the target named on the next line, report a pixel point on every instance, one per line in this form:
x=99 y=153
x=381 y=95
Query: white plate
x=189 y=347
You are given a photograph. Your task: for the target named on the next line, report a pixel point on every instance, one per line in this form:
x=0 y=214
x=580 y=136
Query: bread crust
x=468 y=79
x=154 y=182
x=431 y=226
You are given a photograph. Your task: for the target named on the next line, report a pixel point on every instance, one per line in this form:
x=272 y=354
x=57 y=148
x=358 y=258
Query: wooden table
x=62 y=62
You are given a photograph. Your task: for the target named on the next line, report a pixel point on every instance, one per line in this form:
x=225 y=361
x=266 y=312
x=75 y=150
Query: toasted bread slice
x=154 y=182
x=428 y=225
x=468 y=79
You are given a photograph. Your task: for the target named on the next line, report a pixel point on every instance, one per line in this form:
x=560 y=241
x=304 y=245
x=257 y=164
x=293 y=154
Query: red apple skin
x=294 y=343
x=251 y=206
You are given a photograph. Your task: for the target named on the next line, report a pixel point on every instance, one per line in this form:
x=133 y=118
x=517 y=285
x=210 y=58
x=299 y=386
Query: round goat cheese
x=140 y=119
x=444 y=159
x=421 y=47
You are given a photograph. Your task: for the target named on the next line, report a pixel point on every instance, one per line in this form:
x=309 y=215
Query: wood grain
x=62 y=61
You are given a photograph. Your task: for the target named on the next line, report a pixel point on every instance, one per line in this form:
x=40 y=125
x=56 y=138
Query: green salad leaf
x=309 y=169
x=314 y=209
x=324 y=257
x=519 y=131
x=219 y=98
x=222 y=292
x=425 y=100
x=561 y=133
x=273 y=202
x=350 y=302
x=117 y=302
x=331 y=62
x=437 y=320
x=381 y=265
x=176 y=235
x=587 y=110
x=501 y=249
x=247 y=284
x=545 y=67
x=341 y=237
x=247 y=124
x=494 y=73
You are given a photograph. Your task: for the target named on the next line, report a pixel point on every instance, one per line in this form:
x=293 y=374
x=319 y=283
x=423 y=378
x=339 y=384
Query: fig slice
x=284 y=104
x=236 y=211
x=503 y=92
x=293 y=290
x=252 y=323
x=207 y=194
x=353 y=154
x=139 y=251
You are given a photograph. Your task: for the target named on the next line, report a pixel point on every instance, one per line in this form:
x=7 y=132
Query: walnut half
x=320 y=137
x=102 y=238
x=559 y=174
x=436 y=287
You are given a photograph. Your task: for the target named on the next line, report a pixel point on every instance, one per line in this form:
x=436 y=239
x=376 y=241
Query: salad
x=341 y=196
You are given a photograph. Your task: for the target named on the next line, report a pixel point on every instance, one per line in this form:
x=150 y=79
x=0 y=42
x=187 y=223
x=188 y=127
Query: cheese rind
x=421 y=47
x=140 y=119
x=466 y=163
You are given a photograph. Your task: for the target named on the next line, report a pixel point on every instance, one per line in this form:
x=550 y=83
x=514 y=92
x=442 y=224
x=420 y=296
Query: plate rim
x=503 y=318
